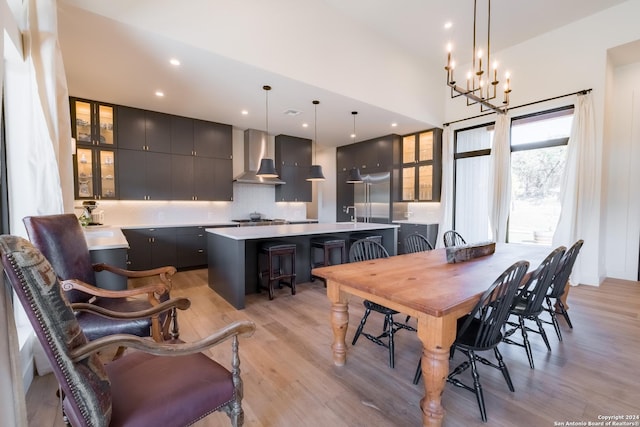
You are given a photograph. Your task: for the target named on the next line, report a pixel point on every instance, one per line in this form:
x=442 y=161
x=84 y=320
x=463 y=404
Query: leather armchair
x=61 y=240
x=127 y=391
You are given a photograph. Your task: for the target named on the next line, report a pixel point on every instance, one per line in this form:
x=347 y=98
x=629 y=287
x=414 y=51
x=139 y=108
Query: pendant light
x=354 y=174
x=267 y=166
x=315 y=171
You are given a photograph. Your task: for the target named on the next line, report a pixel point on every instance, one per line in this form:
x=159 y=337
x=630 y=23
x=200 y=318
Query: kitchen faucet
x=354 y=218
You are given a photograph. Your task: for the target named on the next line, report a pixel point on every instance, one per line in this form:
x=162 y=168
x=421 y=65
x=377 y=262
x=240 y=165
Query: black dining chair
x=363 y=250
x=416 y=243
x=558 y=284
x=453 y=238
x=527 y=304
x=481 y=330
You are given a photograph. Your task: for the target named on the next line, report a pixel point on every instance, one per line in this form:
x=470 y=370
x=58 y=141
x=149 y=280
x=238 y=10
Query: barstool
x=278 y=254
x=327 y=244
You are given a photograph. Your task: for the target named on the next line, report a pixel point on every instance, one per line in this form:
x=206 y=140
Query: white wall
x=622 y=143
x=562 y=61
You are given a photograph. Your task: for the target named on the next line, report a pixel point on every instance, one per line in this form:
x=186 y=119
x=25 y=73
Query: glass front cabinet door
x=95 y=156
x=95 y=173
x=421 y=166
x=92 y=122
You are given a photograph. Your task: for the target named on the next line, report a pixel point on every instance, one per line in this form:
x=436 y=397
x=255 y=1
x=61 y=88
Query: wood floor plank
x=290 y=380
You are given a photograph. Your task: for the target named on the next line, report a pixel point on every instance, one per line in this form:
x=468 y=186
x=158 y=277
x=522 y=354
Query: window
x=538 y=155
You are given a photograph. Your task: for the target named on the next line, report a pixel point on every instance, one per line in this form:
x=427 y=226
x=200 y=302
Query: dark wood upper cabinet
x=212 y=139
x=293 y=159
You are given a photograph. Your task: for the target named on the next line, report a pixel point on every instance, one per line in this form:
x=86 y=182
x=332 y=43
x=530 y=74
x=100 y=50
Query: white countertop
x=182 y=224
x=413 y=221
x=269 y=231
x=104 y=237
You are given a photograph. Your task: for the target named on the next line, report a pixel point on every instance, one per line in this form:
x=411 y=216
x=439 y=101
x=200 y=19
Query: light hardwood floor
x=290 y=380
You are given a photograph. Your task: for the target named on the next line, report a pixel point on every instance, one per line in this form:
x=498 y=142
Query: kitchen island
x=108 y=245
x=233 y=252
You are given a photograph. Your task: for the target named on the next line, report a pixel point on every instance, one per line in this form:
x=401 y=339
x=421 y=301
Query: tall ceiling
x=351 y=55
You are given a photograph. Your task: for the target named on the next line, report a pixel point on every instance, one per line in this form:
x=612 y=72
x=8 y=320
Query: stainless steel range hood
x=255 y=148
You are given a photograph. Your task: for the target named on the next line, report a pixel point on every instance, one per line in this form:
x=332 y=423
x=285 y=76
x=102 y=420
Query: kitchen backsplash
x=248 y=198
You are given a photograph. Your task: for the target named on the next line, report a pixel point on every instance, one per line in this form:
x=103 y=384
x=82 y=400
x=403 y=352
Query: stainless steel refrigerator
x=372 y=198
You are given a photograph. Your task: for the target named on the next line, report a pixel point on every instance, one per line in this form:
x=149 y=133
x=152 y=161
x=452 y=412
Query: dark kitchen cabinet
x=191 y=246
x=212 y=139
x=371 y=156
x=421 y=172
x=144 y=130
x=182 y=135
x=144 y=175
x=201 y=178
x=297 y=188
x=293 y=159
x=430 y=231
x=151 y=248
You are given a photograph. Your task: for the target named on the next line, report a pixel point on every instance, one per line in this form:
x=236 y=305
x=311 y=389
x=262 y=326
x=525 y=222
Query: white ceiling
x=116 y=50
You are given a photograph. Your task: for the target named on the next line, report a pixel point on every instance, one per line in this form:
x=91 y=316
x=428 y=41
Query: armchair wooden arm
x=165 y=273
x=151 y=290
x=178 y=303
x=233 y=330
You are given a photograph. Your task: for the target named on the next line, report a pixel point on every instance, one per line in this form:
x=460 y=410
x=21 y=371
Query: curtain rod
x=580 y=92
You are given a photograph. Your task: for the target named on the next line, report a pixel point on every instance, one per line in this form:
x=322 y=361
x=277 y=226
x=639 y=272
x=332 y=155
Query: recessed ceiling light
x=394 y=124
x=159 y=93
x=174 y=61
x=305 y=125
x=245 y=112
x=448 y=25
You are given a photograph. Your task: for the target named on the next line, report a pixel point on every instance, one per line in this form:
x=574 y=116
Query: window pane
x=474 y=139
x=472 y=201
x=545 y=129
x=535 y=203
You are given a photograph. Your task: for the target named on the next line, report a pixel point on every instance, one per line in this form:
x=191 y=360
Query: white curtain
x=472 y=185
x=500 y=179
x=446 y=193
x=40 y=181
x=579 y=198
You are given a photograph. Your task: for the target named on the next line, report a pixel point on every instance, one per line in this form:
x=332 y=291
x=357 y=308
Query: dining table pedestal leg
x=339 y=323
x=437 y=335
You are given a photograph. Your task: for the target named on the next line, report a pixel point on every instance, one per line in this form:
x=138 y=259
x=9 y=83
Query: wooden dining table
x=424 y=286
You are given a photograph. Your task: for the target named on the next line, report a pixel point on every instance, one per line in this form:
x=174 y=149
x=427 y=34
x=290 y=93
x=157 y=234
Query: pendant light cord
x=267 y=88
x=315 y=131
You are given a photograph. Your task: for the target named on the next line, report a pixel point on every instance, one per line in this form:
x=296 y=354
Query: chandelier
x=482 y=83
